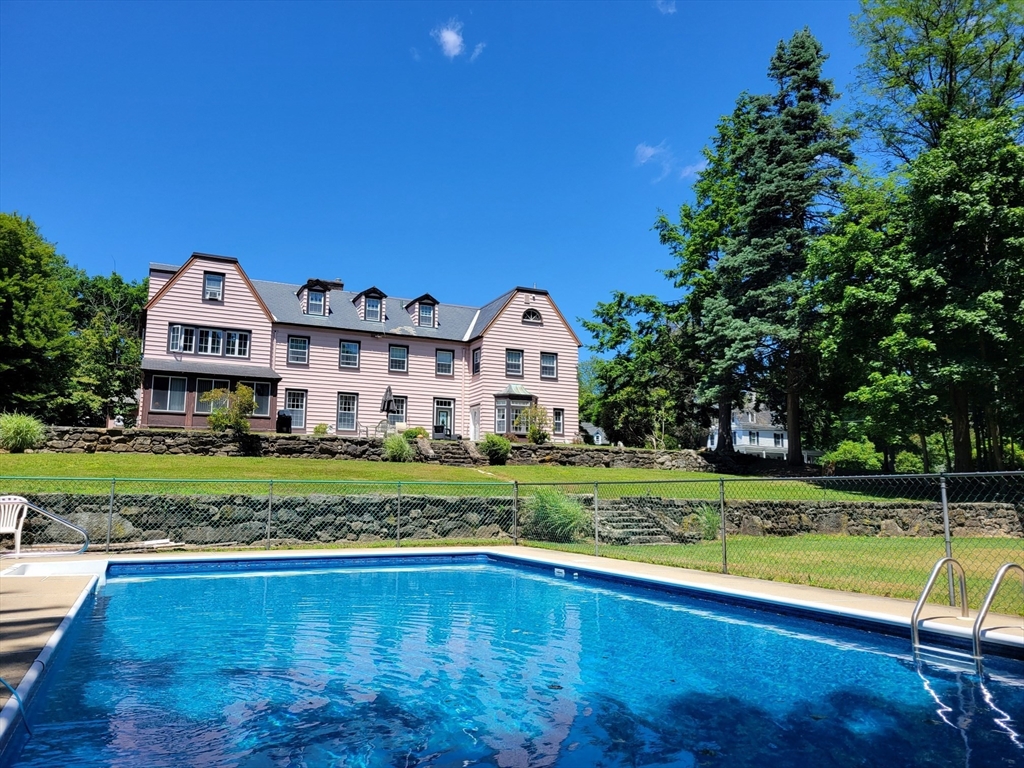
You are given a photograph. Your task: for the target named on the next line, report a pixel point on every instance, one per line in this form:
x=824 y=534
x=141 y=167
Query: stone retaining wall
x=239 y=519
x=206 y=443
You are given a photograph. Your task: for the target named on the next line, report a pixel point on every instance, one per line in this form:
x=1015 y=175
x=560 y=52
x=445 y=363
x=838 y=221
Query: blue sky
x=455 y=148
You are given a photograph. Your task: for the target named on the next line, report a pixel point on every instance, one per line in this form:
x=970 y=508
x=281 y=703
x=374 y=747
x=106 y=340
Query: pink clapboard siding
x=157 y=279
x=183 y=303
x=323 y=379
x=508 y=331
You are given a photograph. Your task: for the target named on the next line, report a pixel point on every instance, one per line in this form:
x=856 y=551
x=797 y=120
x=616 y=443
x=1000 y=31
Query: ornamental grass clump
x=709 y=520
x=397 y=448
x=554 y=516
x=19 y=432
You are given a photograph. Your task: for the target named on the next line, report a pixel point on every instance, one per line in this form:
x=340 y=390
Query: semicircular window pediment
x=532 y=316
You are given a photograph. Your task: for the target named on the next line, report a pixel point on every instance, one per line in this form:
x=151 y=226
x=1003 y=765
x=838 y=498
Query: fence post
x=270 y=511
x=721 y=516
x=949 y=543
x=515 y=512
x=110 y=512
x=596 y=538
x=398 y=518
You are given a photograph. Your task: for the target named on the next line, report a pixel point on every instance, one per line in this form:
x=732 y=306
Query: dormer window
x=532 y=317
x=372 y=310
x=426 y=316
x=315 y=303
x=213 y=286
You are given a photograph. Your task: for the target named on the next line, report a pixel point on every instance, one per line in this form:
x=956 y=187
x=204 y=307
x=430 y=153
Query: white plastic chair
x=12 y=516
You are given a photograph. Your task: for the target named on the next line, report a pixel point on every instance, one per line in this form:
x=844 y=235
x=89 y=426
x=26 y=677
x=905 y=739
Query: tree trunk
x=994 y=437
x=924 y=453
x=795 y=456
x=961 y=428
x=724 y=444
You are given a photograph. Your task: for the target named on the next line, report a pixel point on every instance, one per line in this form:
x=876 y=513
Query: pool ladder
x=954 y=565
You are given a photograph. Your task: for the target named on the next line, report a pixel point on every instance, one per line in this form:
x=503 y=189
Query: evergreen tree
x=788 y=164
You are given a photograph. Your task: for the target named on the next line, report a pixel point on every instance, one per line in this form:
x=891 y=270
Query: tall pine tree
x=788 y=164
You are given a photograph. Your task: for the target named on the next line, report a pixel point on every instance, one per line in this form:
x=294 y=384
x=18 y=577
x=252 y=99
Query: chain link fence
x=879 y=535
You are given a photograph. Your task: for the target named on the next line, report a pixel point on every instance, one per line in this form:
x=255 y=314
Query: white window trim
x=215 y=334
x=199 y=405
x=153 y=389
x=354 y=412
x=174 y=337
x=359 y=351
x=477 y=361
x=289 y=350
x=437 y=362
x=542 y=374
x=538 y=321
x=309 y=304
x=305 y=403
x=419 y=315
x=207 y=294
x=405 y=360
x=366 y=309
x=500 y=419
x=558 y=421
x=238 y=336
x=252 y=385
x=521 y=363
x=399 y=416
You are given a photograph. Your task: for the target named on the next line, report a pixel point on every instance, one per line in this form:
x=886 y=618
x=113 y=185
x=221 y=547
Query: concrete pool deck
x=32 y=607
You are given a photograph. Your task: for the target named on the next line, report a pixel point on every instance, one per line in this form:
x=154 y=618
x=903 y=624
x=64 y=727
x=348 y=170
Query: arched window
x=532 y=316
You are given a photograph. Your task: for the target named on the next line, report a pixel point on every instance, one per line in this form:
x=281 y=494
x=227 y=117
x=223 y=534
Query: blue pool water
x=493 y=665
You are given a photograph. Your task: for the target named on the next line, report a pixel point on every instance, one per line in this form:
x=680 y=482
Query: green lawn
x=622 y=482
x=891 y=567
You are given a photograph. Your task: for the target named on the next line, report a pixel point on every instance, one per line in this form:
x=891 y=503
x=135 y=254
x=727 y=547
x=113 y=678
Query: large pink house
x=326 y=355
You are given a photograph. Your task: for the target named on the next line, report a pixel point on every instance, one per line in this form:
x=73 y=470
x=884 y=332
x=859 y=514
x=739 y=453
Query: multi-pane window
x=347 y=409
x=236 y=344
x=188 y=340
x=513 y=362
x=755 y=438
x=168 y=394
x=476 y=360
x=518 y=425
x=314 y=302
x=213 y=286
x=445 y=362
x=548 y=365
x=501 y=417
x=558 y=421
x=532 y=316
x=426 y=315
x=295 y=405
x=398 y=359
x=261 y=394
x=372 y=309
x=206 y=385
x=398 y=416
x=210 y=341
x=348 y=354
x=778 y=439
x=298 y=350
x=174 y=339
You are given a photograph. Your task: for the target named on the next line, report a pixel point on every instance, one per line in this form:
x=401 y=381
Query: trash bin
x=284 y=422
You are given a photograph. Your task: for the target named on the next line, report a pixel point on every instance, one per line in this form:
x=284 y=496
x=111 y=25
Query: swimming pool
x=477 y=660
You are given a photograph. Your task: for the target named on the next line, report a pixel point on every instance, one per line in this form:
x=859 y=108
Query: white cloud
x=645 y=152
x=665 y=7
x=693 y=170
x=414 y=52
x=477 y=51
x=449 y=37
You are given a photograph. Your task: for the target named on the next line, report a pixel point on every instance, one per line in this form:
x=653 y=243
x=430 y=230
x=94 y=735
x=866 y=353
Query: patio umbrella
x=387 y=405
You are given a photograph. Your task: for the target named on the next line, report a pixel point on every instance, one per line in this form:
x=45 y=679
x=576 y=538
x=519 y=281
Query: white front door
x=474 y=423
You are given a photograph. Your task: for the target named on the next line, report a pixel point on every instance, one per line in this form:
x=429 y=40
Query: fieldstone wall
x=206 y=443
x=250 y=519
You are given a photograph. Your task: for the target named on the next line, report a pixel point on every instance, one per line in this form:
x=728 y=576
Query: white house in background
x=754 y=433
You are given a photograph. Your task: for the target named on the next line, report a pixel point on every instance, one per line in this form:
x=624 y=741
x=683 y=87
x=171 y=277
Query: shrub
x=231 y=410
x=535 y=419
x=553 y=516
x=496 y=448
x=320 y=430
x=397 y=448
x=908 y=463
x=411 y=434
x=852 y=456
x=709 y=518
x=19 y=432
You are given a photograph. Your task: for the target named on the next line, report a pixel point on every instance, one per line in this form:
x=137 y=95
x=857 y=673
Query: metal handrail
x=915 y=634
x=983 y=611
x=62 y=521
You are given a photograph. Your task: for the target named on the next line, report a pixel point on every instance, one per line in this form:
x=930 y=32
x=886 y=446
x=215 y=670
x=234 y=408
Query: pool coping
x=890 y=614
